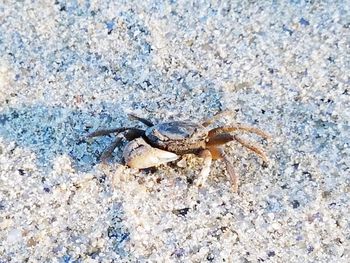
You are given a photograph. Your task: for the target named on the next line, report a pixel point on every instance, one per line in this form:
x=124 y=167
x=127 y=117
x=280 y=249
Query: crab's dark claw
x=107 y=132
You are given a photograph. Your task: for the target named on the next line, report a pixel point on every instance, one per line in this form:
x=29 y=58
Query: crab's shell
x=179 y=137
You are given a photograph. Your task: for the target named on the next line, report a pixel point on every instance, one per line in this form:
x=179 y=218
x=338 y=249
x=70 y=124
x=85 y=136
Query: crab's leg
x=215 y=152
x=218 y=153
x=252 y=147
x=129 y=134
x=108 y=131
x=232 y=176
x=108 y=152
x=144 y=121
x=220 y=139
x=217 y=116
x=238 y=127
x=226 y=137
x=206 y=155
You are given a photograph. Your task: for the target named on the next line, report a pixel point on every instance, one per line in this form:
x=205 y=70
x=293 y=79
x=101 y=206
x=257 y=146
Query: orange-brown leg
x=260 y=152
x=233 y=177
x=238 y=127
x=215 y=152
x=218 y=153
x=220 y=139
x=226 y=137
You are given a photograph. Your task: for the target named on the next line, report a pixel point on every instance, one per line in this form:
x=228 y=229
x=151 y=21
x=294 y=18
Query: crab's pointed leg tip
x=81 y=139
x=268 y=136
x=103 y=160
x=234 y=189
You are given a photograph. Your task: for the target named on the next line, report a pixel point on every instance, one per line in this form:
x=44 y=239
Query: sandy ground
x=67 y=69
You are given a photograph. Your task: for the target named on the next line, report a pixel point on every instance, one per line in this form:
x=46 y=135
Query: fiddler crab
x=167 y=141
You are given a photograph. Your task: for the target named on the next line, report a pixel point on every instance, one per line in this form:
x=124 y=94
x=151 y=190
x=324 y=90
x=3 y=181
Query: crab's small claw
x=140 y=155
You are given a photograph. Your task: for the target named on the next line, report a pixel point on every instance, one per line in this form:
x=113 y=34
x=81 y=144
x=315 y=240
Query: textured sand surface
x=67 y=69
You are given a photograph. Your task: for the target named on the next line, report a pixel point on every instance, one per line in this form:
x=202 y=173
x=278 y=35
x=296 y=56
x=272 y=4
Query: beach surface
x=70 y=68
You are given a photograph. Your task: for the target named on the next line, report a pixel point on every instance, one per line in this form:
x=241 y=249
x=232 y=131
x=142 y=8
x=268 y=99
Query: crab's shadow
x=51 y=132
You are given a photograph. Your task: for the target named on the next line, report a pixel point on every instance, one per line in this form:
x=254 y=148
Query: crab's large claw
x=139 y=154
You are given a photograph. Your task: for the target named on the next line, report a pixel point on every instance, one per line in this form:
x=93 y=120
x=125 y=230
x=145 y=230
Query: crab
x=167 y=141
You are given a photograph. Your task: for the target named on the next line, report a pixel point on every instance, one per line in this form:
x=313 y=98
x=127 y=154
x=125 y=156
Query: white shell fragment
x=139 y=154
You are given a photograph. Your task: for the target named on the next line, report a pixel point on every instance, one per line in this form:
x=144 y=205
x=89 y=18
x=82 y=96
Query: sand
x=67 y=69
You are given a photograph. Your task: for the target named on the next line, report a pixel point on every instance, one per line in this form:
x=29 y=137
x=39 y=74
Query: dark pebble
x=295 y=204
x=304 y=22
x=271 y=253
x=181 y=212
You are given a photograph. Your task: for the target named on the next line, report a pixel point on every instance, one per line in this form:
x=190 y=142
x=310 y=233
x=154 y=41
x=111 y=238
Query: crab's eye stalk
x=140 y=155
